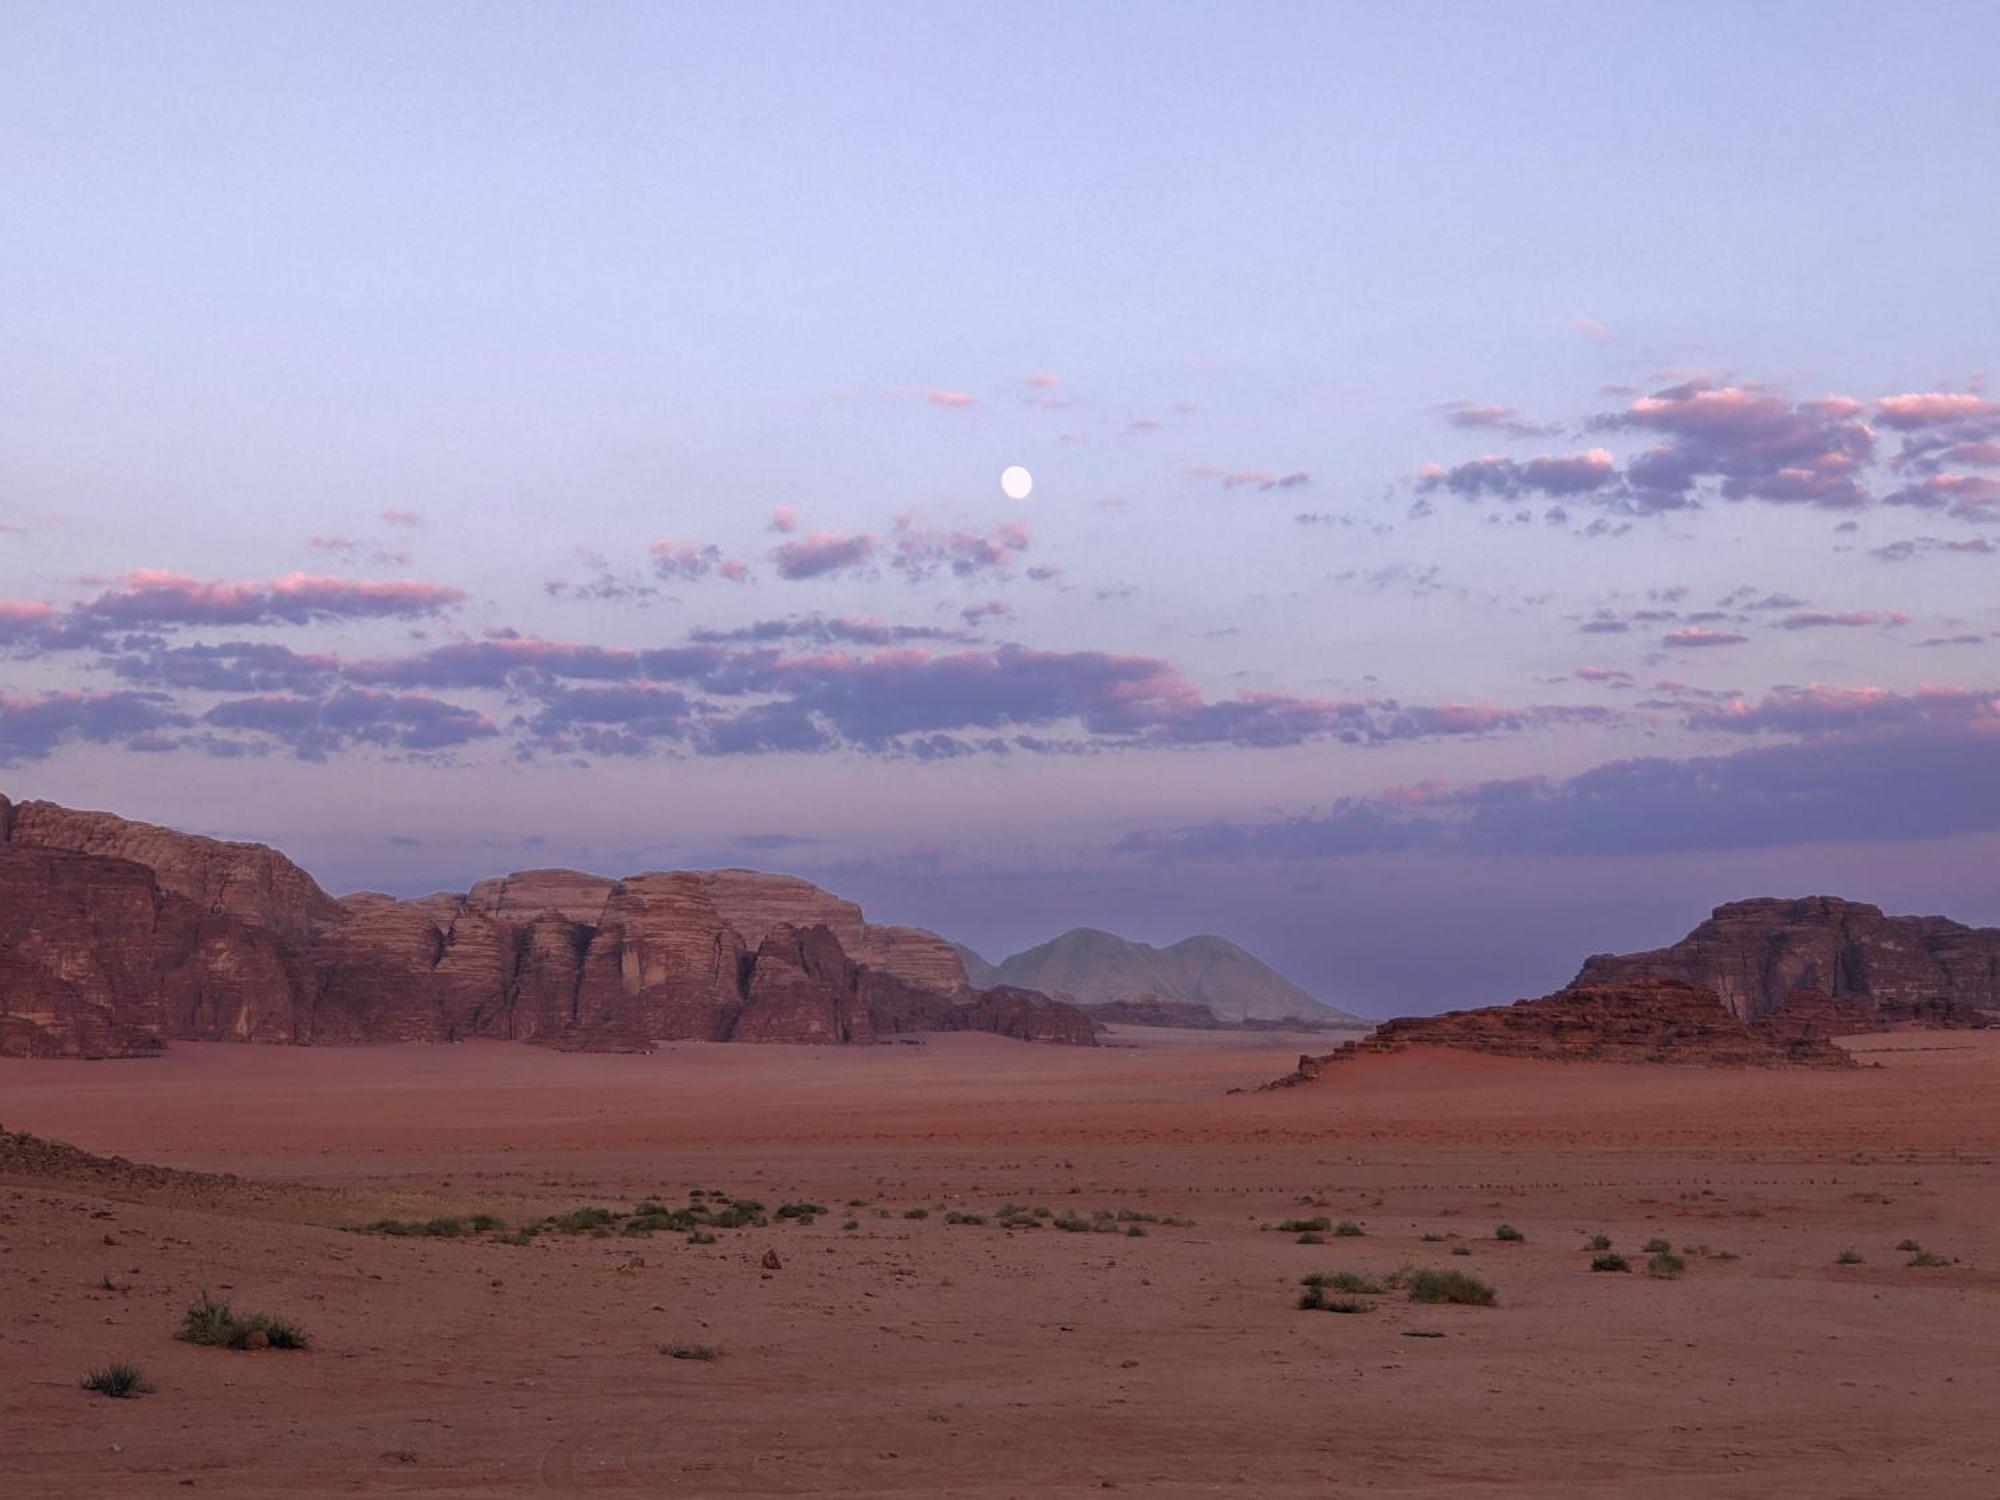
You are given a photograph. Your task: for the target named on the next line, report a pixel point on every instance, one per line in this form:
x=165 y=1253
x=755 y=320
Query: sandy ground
x=912 y=1356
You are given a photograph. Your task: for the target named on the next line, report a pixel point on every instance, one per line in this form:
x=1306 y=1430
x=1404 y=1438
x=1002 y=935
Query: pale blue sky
x=565 y=282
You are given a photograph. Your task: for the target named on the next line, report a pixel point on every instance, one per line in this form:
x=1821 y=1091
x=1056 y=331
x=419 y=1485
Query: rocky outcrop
x=1089 y=967
x=526 y=894
x=1650 y=1019
x=1025 y=1015
x=1755 y=954
x=104 y=955
x=803 y=988
x=249 y=882
x=754 y=903
x=663 y=959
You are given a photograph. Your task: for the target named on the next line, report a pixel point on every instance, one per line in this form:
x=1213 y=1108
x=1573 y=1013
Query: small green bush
x=1432 y=1238
x=1666 y=1265
x=1347 y=1229
x=691 y=1351
x=1610 y=1262
x=121 y=1381
x=1658 y=1245
x=916 y=1213
x=1510 y=1233
x=1310 y=1239
x=806 y=1211
x=1848 y=1257
x=1304 y=1226
x=212 y=1323
x=1600 y=1242
x=959 y=1216
x=1345 y=1281
x=1927 y=1258
x=1908 y=1247
x=1449 y=1286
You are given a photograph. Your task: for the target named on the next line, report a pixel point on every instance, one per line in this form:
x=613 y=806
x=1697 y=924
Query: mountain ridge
x=1094 y=967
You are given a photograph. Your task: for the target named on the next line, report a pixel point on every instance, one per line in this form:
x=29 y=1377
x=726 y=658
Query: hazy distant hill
x=1098 y=967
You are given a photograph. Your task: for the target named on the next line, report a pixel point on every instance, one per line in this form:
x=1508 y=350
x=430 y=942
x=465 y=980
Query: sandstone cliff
x=1650 y=1019
x=1754 y=954
x=115 y=937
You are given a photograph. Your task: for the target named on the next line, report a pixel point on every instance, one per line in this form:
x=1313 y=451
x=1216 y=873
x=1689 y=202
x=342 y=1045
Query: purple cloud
x=822 y=553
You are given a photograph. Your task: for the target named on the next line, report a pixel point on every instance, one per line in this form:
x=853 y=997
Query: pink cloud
x=1819 y=710
x=402 y=518
x=1699 y=636
x=939 y=397
x=1934 y=409
x=822 y=553
x=784 y=520
x=687 y=561
x=921 y=551
x=155 y=596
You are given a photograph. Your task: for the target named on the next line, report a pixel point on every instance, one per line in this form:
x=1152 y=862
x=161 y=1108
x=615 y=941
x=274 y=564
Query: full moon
x=1016 y=482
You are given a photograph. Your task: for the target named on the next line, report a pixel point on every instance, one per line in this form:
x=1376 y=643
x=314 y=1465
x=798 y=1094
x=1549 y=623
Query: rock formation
x=1755 y=954
x=1090 y=967
x=1649 y=1019
x=117 y=936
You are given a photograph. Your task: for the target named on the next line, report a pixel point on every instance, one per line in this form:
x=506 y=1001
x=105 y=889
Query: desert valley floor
x=919 y=1356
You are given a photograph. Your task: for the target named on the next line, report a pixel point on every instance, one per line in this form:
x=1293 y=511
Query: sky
x=1506 y=479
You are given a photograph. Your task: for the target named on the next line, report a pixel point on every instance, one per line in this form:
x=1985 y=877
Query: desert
x=914 y=1355
x=999 y=750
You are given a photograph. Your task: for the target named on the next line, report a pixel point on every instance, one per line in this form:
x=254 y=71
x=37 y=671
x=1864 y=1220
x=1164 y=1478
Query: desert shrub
x=1908 y=1247
x=691 y=1351
x=745 y=1213
x=283 y=1333
x=1313 y=1298
x=1307 y=1239
x=582 y=1220
x=1510 y=1233
x=1657 y=1245
x=120 y=1381
x=700 y=1237
x=851 y=1224
x=916 y=1213
x=1848 y=1257
x=1448 y=1286
x=213 y=1324
x=1348 y=1305
x=1600 y=1242
x=1345 y=1281
x=959 y=1216
x=806 y=1211
x=485 y=1223
x=1347 y=1229
x=1432 y=1237
x=1610 y=1262
x=1927 y=1258
x=1461 y=1250
x=1666 y=1265
x=1304 y=1226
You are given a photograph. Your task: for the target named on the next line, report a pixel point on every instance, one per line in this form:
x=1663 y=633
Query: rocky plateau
x=117 y=937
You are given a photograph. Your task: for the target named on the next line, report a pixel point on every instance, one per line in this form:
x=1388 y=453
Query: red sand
x=915 y=1357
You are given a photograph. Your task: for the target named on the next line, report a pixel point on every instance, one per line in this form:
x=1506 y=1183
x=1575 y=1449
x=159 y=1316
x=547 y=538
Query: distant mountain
x=1097 y=968
x=977 y=969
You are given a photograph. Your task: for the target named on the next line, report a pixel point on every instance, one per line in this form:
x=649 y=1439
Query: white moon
x=1016 y=482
